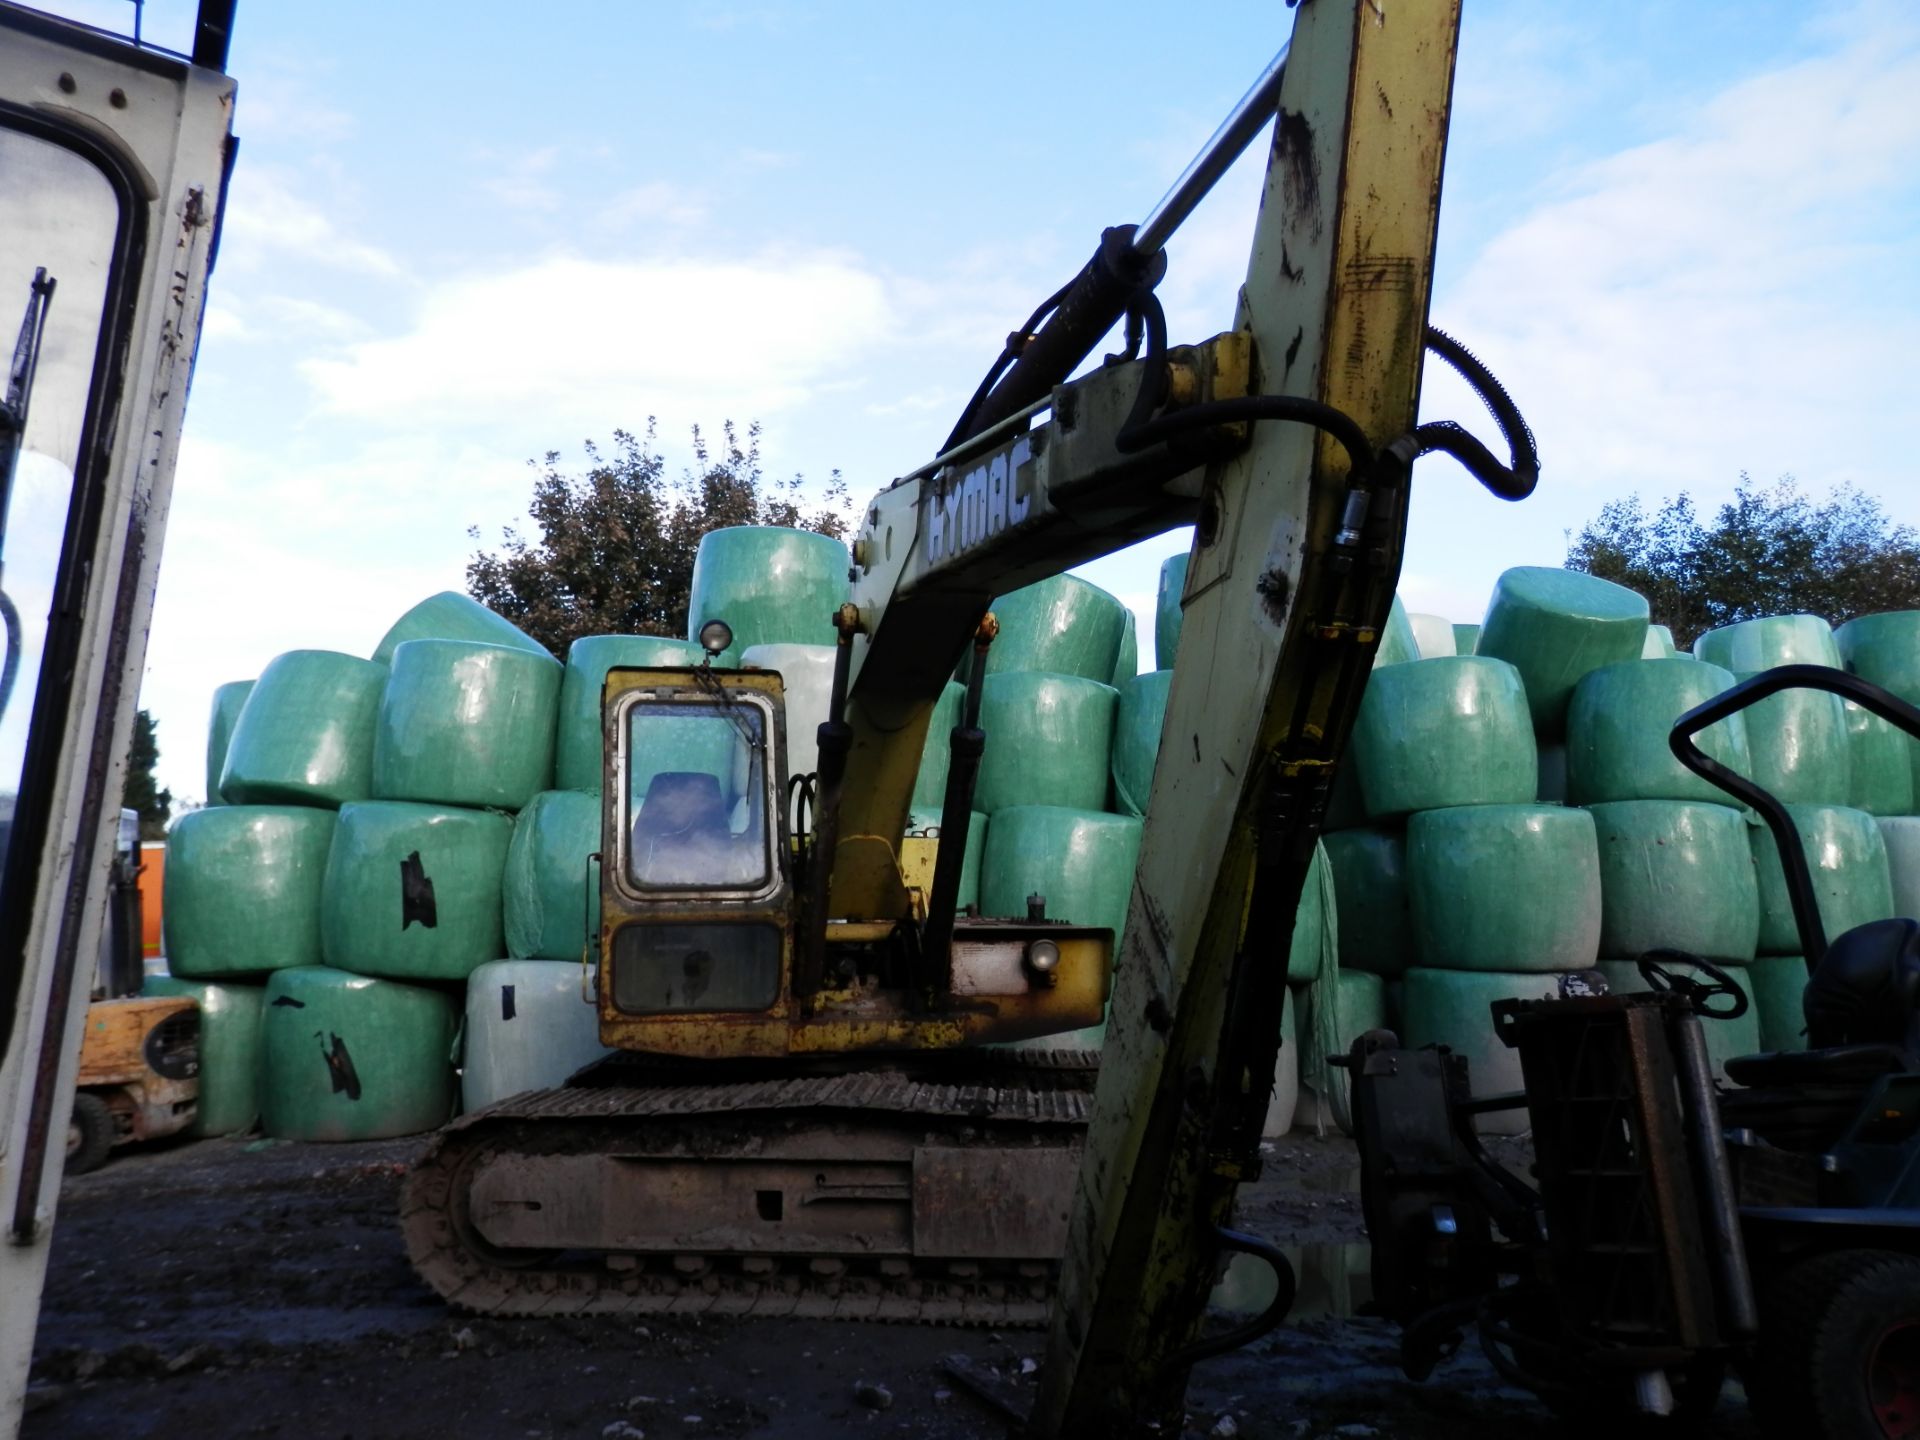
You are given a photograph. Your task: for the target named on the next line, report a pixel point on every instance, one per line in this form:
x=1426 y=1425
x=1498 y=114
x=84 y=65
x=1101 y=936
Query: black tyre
x=1839 y=1353
x=90 y=1134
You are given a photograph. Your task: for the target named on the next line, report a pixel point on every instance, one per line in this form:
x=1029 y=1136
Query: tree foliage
x=144 y=793
x=1770 y=550
x=616 y=543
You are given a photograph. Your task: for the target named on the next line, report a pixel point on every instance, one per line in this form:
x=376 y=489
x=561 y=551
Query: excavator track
x=928 y=1189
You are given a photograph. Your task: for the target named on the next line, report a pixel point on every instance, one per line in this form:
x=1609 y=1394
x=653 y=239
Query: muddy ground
x=253 y=1288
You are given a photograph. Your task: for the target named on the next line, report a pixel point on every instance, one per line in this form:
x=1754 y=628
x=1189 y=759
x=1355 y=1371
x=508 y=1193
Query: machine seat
x=1849 y=1065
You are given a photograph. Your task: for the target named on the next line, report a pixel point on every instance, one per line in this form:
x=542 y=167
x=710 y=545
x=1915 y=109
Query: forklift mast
x=114 y=158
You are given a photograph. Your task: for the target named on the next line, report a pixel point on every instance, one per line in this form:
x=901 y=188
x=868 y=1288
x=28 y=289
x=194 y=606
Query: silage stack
x=1885 y=650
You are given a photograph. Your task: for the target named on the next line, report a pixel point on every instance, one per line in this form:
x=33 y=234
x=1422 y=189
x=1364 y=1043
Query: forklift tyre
x=90 y=1134
x=1839 y=1352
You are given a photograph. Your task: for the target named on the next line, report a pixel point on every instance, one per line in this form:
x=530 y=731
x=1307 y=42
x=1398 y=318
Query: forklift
x=1674 y=1230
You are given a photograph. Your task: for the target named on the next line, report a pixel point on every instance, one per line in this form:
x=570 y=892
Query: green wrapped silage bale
x=1437 y=733
x=1749 y=646
x=1432 y=635
x=1450 y=1007
x=1126 y=661
x=1286 y=1073
x=1315 y=945
x=1346 y=807
x=1879 y=770
x=453 y=616
x=1369 y=870
x=1138 y=717
x=547 y=885
x=229 y=1050
x=1900 y=834
x=1359 y=1004
x=936 y=758
x=1659 y=644
x=772 y=586
x=1798 y=743
x=1776 y=986
x=1550 y=788
x=1676 y=876
x=1504 y=887
x=528 y=1027
x=1397 y=643
x=1848 y=862
x=1725 y=1039
x=577 y=760
x=1167 y=614
x=1617 y=729
x=467 y=724
x=346 y=1057
x=228 y=700
x=1062 y=626
x=1049 y=738
x=242 y=889
x=1554 y=626
x=306 y=733
x=1885 y=650
x=1466 y=639
x=806 y=676
x=927 y=823
x=413 y=892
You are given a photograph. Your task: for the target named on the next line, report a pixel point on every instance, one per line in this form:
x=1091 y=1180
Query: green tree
x=1770 y=550
x=614 y=554
x=144 y=793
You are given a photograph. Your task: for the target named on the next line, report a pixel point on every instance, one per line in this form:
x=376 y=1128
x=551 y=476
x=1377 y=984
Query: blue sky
x=461 y=236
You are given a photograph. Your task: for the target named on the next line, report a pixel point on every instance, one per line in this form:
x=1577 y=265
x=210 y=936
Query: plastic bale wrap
x=345 y=1057
x=1346 y=807
x=413 y=892
x=1126 y=661
x=1286 y=1073
x=1554 y=626
x=1369 y=871
x=936 y=758
x=806 y=674
x=1617 y=729
x=453 y=616
x=1432 y=636
x=1725 y=1039
x=1450 y=1007
x=229 y=1050
x=1879 y=770
x=1504 y=887
x=578 y=763
x=305 y=735
x=1061 y=625
x=467 y=724
x=1676 y=876
x=771 y=585
x=1659 y=644
x=1437 y=733
x=547 y=886
x=1775 y=986
x=1334 y=1013
x=1753 y=645
x=1798 y=743
x=927 y=823
x=1316 y=918
x=1466 y=639
x=527 y=1028
x=1081 y=860
x=1397 y=642
x=1848 y=863
x=1166 y=610
x=1138 y=717
x=228 y=700
x=1885 y=650
x=1900 y=834
x=1048 y=741
x=1550 y=786
x=243 y=889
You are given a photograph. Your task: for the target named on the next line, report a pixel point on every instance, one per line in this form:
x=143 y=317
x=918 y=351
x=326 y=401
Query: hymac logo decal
x=979 y=504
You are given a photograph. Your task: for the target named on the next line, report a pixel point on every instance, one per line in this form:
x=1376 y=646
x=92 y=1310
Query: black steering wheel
x=1663 y=981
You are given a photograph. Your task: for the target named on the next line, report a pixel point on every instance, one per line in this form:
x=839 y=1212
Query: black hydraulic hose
x=1512 y=481
x=1285 y=1288
x=10 y=670
x=1016 y=342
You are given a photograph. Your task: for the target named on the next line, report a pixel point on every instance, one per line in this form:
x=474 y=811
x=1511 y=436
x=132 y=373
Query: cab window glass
x=696 y=796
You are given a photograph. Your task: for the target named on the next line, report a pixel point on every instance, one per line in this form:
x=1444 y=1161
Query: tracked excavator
x=812 y=1111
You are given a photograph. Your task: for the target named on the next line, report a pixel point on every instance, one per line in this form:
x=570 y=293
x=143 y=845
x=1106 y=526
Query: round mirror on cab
x=715 y=636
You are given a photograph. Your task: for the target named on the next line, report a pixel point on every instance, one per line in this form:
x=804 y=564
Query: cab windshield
x=696 y=796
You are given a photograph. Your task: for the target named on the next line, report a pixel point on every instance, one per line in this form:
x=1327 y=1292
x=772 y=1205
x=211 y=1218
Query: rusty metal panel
x=992 y=1204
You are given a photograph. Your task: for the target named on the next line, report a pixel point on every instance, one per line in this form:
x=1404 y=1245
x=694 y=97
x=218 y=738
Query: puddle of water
x=1334 y=1279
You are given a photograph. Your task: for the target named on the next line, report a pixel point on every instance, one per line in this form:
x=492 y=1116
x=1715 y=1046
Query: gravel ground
x=255 y=1288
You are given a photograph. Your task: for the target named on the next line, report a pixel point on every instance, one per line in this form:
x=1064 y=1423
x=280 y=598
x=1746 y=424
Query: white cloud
x=268 y=217
x=587 y=343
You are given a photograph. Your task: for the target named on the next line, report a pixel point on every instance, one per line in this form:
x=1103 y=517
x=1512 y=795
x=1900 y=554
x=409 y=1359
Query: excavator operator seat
x=1866 y=989
x=680 y=836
